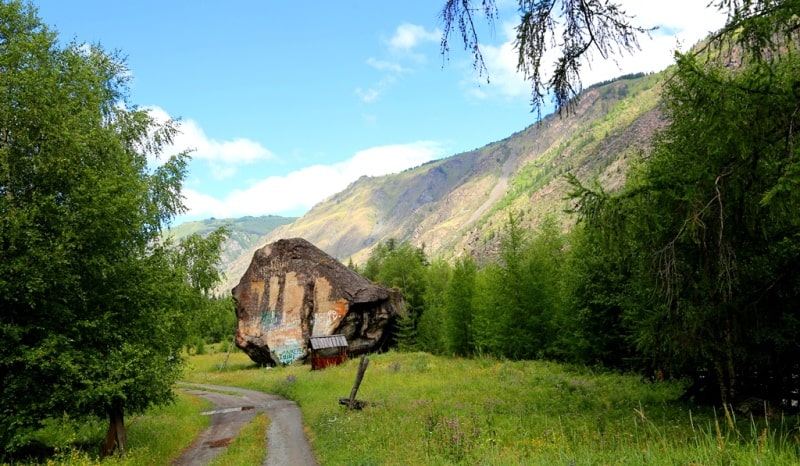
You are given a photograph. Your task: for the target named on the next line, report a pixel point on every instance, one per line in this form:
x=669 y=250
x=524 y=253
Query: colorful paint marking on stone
x=289 y=352
x=269 y=319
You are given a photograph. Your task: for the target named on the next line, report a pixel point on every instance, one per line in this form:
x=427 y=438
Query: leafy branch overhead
x=572 y=31
x=574 y=28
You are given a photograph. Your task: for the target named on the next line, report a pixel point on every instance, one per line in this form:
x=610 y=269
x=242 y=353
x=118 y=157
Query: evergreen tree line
x=523 y=306
x=690 y=270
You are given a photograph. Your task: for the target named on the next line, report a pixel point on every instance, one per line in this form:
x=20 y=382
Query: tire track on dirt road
x=286 y=442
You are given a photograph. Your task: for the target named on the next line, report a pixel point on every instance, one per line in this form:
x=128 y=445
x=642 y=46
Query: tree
x=585 y=26
x=92 y=302
x=515 y=302
x=209 y=320
x=546 y=268
x=458 y=308
x=402 y=266
x=710 y=222
x=521 y=329
x=488 y=307
x=432 y=336
x=727 y=254
x=592 y=328
x=602 y=27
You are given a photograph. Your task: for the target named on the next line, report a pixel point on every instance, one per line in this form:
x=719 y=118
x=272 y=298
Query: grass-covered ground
x=153 y=439
x=432 y=410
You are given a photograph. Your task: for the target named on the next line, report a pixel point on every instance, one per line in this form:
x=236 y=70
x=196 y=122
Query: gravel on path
x=234 y=409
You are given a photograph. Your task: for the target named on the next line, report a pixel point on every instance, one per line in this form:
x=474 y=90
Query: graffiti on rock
x=270 y=319
x=289 y=352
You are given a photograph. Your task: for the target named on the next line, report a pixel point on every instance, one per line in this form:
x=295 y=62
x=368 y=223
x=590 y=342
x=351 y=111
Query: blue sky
x=286 y=103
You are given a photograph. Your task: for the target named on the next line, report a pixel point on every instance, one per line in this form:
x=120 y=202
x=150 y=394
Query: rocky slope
x=457 y=205
x=454 y=205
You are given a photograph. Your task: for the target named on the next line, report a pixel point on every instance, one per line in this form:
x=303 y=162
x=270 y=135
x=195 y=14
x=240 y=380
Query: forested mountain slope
x=453 y=205
x=456 y=205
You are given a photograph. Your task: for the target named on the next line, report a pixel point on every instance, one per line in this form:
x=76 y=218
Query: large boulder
x=293 y=291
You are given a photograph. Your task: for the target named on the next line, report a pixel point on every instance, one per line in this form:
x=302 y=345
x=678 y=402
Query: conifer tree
x=92 y=303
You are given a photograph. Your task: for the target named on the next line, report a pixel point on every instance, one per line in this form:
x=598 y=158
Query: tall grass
x=433 y=410
x=249 y=447
x=154 y=438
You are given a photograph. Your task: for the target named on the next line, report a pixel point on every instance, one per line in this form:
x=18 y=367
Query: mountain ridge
x=457 y=205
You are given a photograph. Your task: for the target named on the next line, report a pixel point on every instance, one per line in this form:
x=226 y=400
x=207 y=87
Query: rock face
x=293 y=291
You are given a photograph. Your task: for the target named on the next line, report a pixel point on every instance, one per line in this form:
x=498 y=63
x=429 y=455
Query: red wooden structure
x=328 y=350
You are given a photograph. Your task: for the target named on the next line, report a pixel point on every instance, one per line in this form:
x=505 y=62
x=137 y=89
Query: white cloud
x=681 y=23
x=374 y=93
x=402 y=48
x=302 y=189
x=208 y=206
x=501 y=63
x=383 y=65
x=225 y=157
x=368 y=95
x=690 y=20
x=408 y=36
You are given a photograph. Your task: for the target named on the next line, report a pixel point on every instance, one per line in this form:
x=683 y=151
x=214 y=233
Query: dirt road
x=234 y=409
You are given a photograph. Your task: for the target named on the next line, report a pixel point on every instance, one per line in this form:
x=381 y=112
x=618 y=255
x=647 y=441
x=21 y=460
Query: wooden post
x=230 y=347
x=362 y=367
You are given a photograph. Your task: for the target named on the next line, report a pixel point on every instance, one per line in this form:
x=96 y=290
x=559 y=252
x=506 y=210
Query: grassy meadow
x=431 y=410
x=154 y=439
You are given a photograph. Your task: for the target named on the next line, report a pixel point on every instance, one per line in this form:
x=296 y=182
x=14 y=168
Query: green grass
x=431 y=410
x=249 y=447
x=434 y=410
x=154 y=438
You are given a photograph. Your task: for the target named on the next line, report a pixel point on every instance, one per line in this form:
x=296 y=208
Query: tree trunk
x=115 y=437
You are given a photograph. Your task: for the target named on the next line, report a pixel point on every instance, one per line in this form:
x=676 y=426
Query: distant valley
x=246 y=235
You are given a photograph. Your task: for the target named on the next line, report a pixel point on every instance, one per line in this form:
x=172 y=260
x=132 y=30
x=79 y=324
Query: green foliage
x=507 y=310
x=583 y=27
x=727 y=253
x=93 y=304
x=437 y=281
x=401 y=266
x=488 y=305
x=243 y=234
x=212 y=321
x=458 y=324
x=516 y=302
x=708 y=226
x=690 y=269
x=592 y=329
x=157 y=437
x=207 y=319
x=494 y=411
x=406 y=333
x=520 y=322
